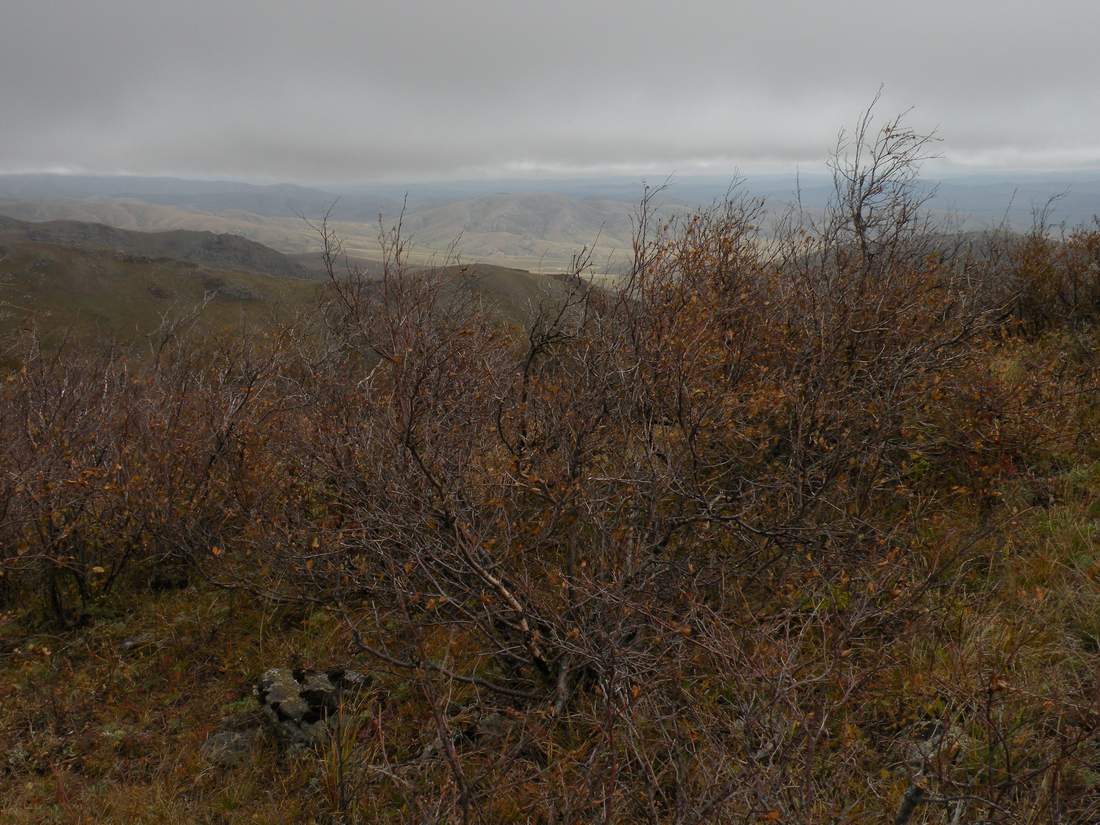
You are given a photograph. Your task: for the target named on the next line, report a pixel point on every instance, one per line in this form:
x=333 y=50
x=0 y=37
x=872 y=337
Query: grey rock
x=297 y=704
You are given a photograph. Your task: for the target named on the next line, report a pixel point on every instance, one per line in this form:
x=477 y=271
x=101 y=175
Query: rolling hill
x=535 y=230
x=538 y=231
x=91 y=283
x=531 y=225
x=286 y=235
x=512 y=295
x=97 y=295
x=221 y=250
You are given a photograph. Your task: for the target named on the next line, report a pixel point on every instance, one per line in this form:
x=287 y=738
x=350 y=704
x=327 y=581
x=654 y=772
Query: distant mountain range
x=535 y=225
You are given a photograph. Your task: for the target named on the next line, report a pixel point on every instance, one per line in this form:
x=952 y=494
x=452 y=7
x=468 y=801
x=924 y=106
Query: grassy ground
x=106 y=723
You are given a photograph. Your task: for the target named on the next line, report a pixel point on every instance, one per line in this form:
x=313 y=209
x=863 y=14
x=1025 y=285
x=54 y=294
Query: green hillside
x=91 y=294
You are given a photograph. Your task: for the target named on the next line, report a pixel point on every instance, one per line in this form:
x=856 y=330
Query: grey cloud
x=341 y=90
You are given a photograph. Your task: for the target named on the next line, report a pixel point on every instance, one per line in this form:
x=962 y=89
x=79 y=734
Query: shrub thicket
x=737 y=539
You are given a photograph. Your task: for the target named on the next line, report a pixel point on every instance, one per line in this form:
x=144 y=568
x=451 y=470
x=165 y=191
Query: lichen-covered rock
x=298 y=704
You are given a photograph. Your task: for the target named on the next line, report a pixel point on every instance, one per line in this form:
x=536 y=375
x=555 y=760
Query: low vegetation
x=798 y=528
x=71 y=296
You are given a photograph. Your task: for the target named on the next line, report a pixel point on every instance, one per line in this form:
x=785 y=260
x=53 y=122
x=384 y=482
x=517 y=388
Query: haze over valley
x=535 y=225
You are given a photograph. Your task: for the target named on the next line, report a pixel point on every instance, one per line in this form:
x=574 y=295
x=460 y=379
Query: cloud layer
x=344 y=90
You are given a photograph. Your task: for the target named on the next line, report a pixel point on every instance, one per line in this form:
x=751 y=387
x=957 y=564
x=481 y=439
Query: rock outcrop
x=298 y=704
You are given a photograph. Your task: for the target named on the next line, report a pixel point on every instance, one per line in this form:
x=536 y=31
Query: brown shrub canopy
x=706 y=541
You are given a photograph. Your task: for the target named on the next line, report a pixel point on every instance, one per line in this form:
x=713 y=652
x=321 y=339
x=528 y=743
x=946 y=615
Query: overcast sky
x=348 y=90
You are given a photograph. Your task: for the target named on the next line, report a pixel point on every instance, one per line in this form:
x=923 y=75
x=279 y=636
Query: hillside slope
x=220 y=250
x=539 y=226
x=87 y=293
x=100 y=295
x=540 y=231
